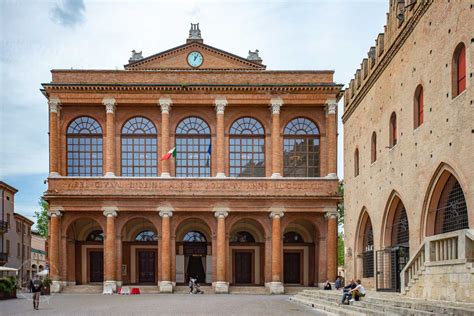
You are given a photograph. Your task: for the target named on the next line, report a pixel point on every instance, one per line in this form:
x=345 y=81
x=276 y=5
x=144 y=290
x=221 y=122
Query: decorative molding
x=110 y=211
x=277 y=213
x=109 y=105
x=220 y=103
x=54 y=105
x=275 y=105
x=221 y=212
x=331 y=107
x=165 y=104
x=331 y=214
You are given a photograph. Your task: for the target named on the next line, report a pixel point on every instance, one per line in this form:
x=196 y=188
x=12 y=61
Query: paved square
x=155 y=304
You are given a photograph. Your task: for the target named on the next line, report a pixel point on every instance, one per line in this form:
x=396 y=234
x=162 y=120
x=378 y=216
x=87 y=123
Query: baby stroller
x=194 y=287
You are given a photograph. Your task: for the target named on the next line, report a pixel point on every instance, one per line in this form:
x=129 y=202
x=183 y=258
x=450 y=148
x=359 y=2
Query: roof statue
x=253 y=56
x=135 y=56
x=194 y=32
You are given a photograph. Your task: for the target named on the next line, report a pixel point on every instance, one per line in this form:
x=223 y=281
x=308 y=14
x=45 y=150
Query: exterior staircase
x=376 y=303
x=83 y=289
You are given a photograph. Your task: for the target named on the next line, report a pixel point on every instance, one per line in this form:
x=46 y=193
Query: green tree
x=340 y=249
x=42 y=218
x=340 y=206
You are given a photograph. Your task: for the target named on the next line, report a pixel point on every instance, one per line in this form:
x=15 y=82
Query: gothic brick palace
x=248 y=195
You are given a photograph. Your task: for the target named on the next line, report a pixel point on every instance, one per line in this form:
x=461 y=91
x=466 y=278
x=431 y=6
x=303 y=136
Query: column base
x=275 y=287
x=54 y=175
x=109 y=175
x=119 y=283
x=56 y=286
x=166 y=286
x=221 y=287
x=110 y=287
x=331 y=176
x=165 y=175
x=220 y=175
x=276 y=175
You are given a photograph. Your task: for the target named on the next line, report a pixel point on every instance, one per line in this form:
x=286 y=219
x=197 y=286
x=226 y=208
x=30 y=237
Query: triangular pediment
x=177 y=58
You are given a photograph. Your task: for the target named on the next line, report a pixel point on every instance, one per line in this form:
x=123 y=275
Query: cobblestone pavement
x=155 y=304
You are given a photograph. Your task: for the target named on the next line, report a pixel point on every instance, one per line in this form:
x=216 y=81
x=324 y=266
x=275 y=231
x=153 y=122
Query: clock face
x=195 y=59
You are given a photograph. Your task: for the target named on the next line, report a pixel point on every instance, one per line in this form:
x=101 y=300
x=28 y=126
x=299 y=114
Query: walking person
x=35 y=287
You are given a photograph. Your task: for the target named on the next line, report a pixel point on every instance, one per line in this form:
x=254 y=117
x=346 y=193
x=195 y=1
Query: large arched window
x=96 y=235
x=451 y=213
x=373 y=148
x=242 y=237
x=356 y=162
x=193 y=139
x=418 y=107
x=247 y=148
x=368 y=251
x=139 y=150
x=194 y=236
x=459 y=70
x=393 y=130
x=301 y=148
x=146 y=235
x=400 y=228
x=84 y=147
x=292 y=238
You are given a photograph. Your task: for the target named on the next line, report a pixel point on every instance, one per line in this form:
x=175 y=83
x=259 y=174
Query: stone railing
x=445 y=249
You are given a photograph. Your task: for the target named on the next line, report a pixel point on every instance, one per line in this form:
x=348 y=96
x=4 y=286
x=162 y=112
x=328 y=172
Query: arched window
x=139 y=150
x=368 y=251
x=459 y=70
x=292 y=237
x=194 y=236
x=193 y=140
x=247 y=148
x=400 y=228
x=242 y=237
x=96 y=235
x=356 y=162
x=146 y=235
x=301 y=148
x=373 y=148
x=418 y=107
x=84 y=147
x=451 y=213
x=393 y=130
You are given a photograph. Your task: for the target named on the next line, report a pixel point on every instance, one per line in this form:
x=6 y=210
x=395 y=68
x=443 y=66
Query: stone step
x=82 y=289
x=255 y=290
x=330 y=307
x=184 y=289
x=290 y=290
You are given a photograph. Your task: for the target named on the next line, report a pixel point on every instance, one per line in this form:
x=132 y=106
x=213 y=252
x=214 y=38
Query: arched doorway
x=195 y=252
x=395 y=254
x=139 y=252
x=365 y=248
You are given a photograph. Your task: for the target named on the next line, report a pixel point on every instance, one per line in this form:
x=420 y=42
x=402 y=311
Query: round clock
x=195 y=59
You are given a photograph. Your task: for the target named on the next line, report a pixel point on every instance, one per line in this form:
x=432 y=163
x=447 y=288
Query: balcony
x=3 y=258
x=3 y=227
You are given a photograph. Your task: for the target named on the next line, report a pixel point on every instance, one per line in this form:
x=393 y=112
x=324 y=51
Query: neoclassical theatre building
x=248 y=196
x=409 y=155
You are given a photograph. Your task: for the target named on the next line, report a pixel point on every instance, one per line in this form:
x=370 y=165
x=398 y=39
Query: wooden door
x=292 y=268
x=146 y=266
x=96 y=266
x=243 y=267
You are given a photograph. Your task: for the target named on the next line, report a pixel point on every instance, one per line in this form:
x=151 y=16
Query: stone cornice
x=387 y=58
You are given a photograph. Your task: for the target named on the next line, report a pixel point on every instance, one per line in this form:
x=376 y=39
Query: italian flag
x=169 y=154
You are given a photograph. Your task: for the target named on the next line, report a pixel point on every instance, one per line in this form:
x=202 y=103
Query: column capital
x=277 y=213
x=221 y=212
x=275 y=105
x=221 y=103
x=331 y=106
x=331 y=214
x=55 y=211
x=110 y=211
x=110 y=105
x=165 y=211
x=165 y=104
x=54 y=105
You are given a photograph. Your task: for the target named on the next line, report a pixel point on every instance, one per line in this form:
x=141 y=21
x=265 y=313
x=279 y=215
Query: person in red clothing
x=35 y=287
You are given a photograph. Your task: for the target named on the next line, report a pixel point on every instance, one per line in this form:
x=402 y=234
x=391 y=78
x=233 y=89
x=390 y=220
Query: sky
x=40 y=35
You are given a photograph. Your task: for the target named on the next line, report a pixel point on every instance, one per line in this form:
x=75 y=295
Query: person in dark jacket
x=346 y=292
x=327 y=285
x=35 y=287
x=338 y=283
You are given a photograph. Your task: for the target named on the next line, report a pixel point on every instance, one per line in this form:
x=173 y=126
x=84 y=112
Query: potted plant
x=7 y=287
x=46 y=290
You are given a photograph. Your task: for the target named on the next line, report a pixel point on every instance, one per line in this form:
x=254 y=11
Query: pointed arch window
x=193 y=140
x=84 y=147
x=418 y=107
x=393 y=130
x=247 y=148
x=459 y=69
x=451 y=213
x=301 y=149
x=400 y=228
x=368 y=251
x=373 y=148
x=139 y=150
x=356 y=162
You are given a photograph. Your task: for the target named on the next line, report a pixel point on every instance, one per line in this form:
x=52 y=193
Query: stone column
x=221 y=285
x=110 y=254
x=331 y=128
x=165 y=104
x=166 y=284
x=54 y=268
x=275 y=105
x=276 y=286
x=331 y=241
x=220 y=103
x=110 y=136
x=54 y=109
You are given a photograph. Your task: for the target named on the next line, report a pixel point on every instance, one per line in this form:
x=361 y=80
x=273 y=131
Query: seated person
x=327 y=285
x=358 y=291
x=346 y=292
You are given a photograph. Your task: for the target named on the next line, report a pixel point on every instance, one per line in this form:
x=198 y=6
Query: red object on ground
x=135 y=291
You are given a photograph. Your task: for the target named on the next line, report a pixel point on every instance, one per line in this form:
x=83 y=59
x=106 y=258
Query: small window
x=242 y=237
x=292 y=238
x=96 y=235
x=373 y=148
x=147 y=235
x=393 y=130
x=194 y=236
x=459 y=70
x=356 y=162
x=418 y=107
